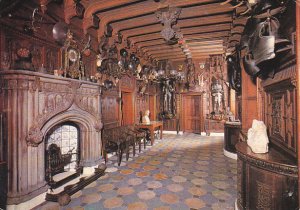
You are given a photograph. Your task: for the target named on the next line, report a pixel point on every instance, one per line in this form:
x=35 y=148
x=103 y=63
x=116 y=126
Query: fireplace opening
x=62 y=159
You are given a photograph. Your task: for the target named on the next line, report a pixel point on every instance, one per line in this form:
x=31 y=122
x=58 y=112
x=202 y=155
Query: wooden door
x=192 y=113
x=127 y=109
x=152 y=107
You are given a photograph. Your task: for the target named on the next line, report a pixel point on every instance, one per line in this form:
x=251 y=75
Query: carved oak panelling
x=110 y=108
x=51 y=60
x=30 y=53
x=142 y=104
x=279 y=111
x=127 y=84
x=264 y=196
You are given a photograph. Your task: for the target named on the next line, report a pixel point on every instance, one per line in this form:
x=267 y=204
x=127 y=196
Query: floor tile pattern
x=180 y=172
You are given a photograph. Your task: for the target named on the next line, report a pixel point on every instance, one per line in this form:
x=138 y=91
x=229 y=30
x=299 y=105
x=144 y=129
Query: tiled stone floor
x=179 y=172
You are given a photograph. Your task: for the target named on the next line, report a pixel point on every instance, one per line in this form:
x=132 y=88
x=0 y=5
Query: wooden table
x=152 y=127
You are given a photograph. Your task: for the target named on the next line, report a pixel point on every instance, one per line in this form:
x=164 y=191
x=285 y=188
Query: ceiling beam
x=186 y=12
x=151 y=7
x=187 y=31
x=203 y=21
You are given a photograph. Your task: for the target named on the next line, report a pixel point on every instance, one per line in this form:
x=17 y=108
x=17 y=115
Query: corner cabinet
x=265 y=181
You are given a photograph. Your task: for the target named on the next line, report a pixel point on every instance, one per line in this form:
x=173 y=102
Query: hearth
x=62 y=157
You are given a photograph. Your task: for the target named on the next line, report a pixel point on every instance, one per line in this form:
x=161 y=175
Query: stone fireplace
x=34 y=103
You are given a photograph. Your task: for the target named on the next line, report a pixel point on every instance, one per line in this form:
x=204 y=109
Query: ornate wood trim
x=72 y=9
x=13 y=32
x=127 y=84
x=298 y=85
x=288 y=73
x=59 y=97
x=276 y=168
x=264 y=196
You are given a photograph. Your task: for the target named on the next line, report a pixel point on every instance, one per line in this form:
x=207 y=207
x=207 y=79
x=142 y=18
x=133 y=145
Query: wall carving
x=30 y=53
x=127 y=84
x=279 y=109
x=110 y=108
x=53 y=99
x=264 y=196
x=273 y=167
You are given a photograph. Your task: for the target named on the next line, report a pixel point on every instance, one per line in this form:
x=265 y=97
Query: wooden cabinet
x=231 y=135
x=265 y=181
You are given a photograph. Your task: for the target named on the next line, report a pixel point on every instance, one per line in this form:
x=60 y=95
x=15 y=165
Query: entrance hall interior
x=149 y=104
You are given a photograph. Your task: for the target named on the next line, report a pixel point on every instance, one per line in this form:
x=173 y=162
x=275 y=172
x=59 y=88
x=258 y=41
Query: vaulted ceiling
x=208 y=26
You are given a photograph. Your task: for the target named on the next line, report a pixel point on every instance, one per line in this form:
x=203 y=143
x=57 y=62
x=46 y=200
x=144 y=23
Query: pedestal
x=231 y=137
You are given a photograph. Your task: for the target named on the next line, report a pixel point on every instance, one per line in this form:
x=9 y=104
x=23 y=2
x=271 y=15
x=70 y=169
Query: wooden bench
x=119 y=139
x=137 y=135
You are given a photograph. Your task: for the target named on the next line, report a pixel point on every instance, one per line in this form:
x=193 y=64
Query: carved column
x=249 y=101
x=25 y=164
x=298 y=85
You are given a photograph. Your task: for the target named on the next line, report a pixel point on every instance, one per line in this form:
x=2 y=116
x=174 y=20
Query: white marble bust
x=146 y=119
x=257 y=137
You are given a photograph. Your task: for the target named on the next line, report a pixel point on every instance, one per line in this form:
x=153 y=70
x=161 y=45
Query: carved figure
x=5 y=61
x=190 y=72
x=217 y=94
x=36 y=58
x=257 y=137
x=146 y=118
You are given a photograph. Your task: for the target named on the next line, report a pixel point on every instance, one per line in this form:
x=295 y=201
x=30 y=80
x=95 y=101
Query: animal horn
x=239 y=4
x=226 y=2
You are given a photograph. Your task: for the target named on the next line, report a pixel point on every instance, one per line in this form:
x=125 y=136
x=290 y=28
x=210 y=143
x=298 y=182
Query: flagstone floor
x=180 y=172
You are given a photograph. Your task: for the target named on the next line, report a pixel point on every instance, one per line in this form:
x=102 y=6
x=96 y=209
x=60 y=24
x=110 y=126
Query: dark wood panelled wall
x=29 y=90
x=298 y=87
x=265 y=179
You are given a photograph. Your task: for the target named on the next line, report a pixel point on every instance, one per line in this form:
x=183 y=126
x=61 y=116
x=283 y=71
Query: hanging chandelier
x=167 y=72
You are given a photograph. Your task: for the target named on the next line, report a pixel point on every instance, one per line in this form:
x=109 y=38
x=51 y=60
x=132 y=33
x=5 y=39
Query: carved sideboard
x=265 y=181
x=33 y=103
